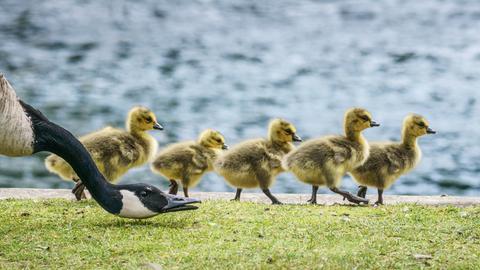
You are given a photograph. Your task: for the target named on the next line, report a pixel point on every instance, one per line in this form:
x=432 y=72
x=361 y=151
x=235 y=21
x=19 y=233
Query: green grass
x=224 y=235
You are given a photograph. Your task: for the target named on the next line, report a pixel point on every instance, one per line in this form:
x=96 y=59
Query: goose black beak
x=296 y=138
x=157 y=126
x=225 y=147
x=177 y=203
x=431 y=131
x=374 y=124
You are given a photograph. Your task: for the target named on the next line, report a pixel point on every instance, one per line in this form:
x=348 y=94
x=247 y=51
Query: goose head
x=140 y=201
x=358 y=119
x=212 y=139
x=142 y=119
x=416 y=125
x=282 y=131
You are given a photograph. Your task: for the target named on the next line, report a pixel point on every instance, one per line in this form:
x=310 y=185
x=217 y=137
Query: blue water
x=233 y=65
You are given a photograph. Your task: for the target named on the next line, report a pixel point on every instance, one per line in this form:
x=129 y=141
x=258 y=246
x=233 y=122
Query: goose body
x=26 y=131
x=256 y=163
x=390 y=160
x=115 y=151
x=324 y=161
x=16 y=133
x=186 y=162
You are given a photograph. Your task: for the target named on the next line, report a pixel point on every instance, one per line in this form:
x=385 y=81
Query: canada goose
x=114 y=151
x=388 y=161
x=256 y=163
x=324 y=161
x=188 y=161
x=26 y=131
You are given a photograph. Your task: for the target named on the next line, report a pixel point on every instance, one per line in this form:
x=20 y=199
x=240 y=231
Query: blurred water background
x=233 y=65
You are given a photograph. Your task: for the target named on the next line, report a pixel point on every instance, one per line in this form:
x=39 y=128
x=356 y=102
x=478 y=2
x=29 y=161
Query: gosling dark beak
x=296 y=138
x=157 y=126
x=431 y=131
x=224 y=147
x=374 y=124
x=177 y=203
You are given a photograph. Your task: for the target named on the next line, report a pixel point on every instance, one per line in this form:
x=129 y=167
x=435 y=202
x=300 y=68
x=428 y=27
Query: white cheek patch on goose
x=133 y=207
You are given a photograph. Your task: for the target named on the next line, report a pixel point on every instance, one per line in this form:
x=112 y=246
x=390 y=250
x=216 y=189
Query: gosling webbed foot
x=313 y=198
x=173 y=187
x=274 y=200
x=79 y=190
x=380 y=198
x=312 y=201
x=237 y=195
x=378 y=203
x=355 y=199
x=349 y=196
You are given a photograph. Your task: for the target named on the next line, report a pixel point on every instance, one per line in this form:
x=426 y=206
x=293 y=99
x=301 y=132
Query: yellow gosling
x=114 y=151
x=256 y=163
x=186 y=162
x=324 y=161
x=390 y=160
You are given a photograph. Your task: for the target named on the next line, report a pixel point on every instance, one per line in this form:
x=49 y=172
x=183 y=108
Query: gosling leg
x=349 y=196
x=269 y=195
x=313 y=199
x=185 y=191
x=79 y=189
x=173 y=187
x=237 y=195
x=380 y=198
x=362 y=191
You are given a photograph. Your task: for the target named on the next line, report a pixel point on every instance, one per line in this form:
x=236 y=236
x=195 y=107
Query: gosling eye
x=148 y=120
x=288 y=131
x=218 y=140
x=364 y=118
x=421 y=124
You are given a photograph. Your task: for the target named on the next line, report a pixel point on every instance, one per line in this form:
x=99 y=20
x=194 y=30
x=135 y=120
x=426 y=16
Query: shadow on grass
x=143 y=223
x=328 y=205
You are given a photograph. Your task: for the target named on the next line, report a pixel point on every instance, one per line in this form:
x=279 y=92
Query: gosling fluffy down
x=324 y=161
x=114 y=151
x=256 y=163
x=186 y=162
x=389 y=160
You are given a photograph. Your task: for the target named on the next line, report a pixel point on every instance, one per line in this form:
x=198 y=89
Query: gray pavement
x=326 y=199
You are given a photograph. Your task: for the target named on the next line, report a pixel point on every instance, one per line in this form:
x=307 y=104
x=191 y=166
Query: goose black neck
x=53 y=138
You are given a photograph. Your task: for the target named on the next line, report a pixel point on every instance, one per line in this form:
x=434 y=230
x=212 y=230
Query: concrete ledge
x=326 y=199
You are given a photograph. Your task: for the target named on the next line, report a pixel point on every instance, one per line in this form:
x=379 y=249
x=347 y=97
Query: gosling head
x=212 y=139
x=142 y=119
x=140 y=201
x=281 y=130
x=416 y=125
x=358 y=119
